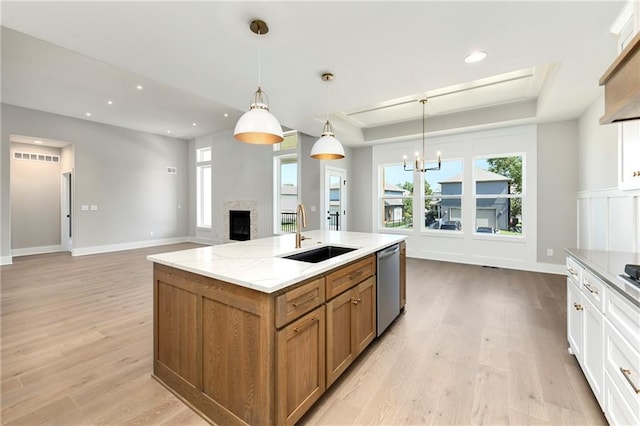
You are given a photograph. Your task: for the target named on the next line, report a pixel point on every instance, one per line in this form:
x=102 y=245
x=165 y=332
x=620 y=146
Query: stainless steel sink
x=319 y=254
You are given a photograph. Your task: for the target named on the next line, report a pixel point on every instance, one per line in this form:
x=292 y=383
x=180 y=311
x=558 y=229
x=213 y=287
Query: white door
x=335 y=199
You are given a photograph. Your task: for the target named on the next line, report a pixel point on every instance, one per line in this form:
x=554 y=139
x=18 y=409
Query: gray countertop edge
x=608 y=266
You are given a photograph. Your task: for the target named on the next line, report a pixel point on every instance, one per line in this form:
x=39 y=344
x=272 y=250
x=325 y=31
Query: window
x=203 y=187
x=498 y=193
x=443 y=197
x=285 y=184
x=396 y=198
x=290 y=142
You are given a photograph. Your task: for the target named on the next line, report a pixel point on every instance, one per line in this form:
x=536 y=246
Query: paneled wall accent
x=609 y=220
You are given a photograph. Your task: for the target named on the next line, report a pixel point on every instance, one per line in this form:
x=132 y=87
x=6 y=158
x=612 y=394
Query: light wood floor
x=476 y=346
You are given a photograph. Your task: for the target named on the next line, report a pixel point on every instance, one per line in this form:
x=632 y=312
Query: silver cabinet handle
x=577 y=306
x=591 y=289
x=627 y=375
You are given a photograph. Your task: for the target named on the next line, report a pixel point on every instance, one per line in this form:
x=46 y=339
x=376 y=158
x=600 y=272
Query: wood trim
x=622 y=85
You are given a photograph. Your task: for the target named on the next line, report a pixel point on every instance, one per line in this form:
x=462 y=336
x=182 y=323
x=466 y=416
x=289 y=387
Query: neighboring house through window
x=396 y=196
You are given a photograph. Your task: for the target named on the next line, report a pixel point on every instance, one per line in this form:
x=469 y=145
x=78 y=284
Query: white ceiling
x=198 y=60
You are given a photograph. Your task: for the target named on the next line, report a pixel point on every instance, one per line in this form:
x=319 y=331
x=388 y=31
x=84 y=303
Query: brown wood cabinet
x=351 y=326
x=243 y=357
x=300 y=368
x=621 y=84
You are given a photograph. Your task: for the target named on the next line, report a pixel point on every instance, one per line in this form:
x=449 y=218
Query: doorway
x=66 y=212
x=335 y=198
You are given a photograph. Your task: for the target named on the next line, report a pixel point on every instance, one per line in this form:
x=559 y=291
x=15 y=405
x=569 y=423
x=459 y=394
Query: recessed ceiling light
x=168 y=131
x=110 y=102
x=139 y=87
x=194 y=124
x=38 y=142
x=226 y=115
x=475 y=57
x=88 y=114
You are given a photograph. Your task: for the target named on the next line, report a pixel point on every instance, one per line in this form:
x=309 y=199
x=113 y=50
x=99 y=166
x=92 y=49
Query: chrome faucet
x=301 y=222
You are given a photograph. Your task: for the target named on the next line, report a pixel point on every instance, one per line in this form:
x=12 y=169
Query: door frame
x=325 y=189
x=66 y=208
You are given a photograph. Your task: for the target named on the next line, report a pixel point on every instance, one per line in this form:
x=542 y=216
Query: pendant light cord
x=327 y=100
x=259 y=58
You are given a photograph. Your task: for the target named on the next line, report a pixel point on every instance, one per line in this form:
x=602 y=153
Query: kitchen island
x=246 y=336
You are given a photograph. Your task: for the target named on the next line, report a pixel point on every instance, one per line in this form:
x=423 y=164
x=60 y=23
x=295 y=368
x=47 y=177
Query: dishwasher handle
x=388 y=252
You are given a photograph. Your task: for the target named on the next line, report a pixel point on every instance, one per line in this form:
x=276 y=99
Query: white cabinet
x=593 y=348
x=622 y=361
x=603 y=330
x=574 y=319
x=629 y=155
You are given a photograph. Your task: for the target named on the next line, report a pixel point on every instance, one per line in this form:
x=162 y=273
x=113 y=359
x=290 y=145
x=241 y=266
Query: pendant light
x=258 y=125
x=327 y=147
x=420 y=165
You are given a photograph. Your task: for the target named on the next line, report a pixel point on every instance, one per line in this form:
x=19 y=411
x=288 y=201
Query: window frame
x=201 y=197
x=280 y=156
x=422 y=200
x=381 y=199
x=510 y=196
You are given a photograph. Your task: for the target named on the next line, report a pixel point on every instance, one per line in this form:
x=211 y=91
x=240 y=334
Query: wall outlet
x=549 y=252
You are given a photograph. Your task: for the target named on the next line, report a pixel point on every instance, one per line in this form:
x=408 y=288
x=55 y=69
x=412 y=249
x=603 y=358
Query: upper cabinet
x=621 y=84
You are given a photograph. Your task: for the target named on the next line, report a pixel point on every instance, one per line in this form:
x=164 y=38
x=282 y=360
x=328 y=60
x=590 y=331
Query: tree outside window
x=397 y=197
x=499 y=189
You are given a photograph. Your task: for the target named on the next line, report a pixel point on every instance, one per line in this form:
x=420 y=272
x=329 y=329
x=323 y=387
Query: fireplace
x=239 y=225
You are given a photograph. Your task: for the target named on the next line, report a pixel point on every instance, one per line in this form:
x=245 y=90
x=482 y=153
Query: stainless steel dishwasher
x=388 y=287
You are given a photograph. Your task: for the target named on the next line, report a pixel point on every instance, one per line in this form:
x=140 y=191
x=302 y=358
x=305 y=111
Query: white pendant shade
x=258 y=126
x=327 y=148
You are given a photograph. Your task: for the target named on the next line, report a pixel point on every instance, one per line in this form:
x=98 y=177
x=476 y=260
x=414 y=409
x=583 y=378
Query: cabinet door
x=364 y=305
x=574 y=319
x=593 y=347
x=341 y=348
x=629 y=155
x=300 y=369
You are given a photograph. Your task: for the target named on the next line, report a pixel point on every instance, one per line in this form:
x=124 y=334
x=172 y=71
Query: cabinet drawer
x=299 y=301
x=573 y=270
x=594 y=289
x=350 y=275
x=624 y=317
x=622 y=364
x=617 y=410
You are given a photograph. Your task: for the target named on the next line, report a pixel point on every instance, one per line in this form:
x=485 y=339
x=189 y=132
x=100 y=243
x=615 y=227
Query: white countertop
x=257 y=264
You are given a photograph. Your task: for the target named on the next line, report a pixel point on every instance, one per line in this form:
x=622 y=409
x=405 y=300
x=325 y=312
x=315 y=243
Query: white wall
x=557 y=182
x=362 y=179
x=122 y=171
x=35 y=199
x=468 y=247
x=607 y=218
x=598 y=152
x=240 y=171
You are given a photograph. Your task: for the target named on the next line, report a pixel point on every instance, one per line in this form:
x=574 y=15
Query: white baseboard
x=127 y=246
x=547 y=268
x=197 y=240
x=6 y=260
x=35 y=250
